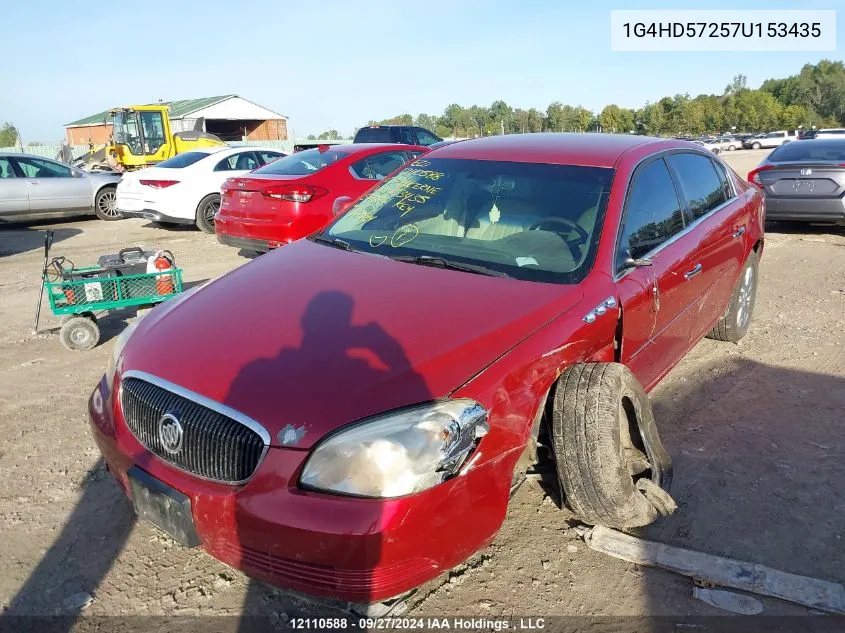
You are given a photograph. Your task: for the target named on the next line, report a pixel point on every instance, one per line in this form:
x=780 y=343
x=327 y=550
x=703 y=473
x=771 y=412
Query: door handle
x=739 y=232
x=692 y=273
x=32 y=182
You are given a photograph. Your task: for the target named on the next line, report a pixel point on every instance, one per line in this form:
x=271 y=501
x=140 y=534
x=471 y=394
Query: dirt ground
x=755 y=430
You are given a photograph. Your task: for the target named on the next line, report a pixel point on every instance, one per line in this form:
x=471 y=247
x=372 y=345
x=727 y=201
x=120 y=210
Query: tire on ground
x=79 y=333
x=733 y=325
x=203 y=224
x=594 y=404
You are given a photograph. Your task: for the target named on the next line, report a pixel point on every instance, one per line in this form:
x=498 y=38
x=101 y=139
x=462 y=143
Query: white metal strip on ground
x=810 y=592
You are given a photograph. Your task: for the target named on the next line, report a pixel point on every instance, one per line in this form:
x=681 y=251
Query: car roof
x=359 y=148
x=14 y=154
x=369 y=127
x=597 y=150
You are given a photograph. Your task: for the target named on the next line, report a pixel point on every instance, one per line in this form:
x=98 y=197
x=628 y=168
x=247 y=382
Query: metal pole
x=48 y=241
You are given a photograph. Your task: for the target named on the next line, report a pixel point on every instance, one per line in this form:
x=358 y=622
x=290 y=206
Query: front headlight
x=119 y=344
x=397 y=453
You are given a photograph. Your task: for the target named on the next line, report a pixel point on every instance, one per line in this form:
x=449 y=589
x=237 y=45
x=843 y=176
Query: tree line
x=813 y=97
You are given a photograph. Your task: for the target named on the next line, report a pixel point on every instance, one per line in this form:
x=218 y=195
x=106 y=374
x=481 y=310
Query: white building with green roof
x=230 y=117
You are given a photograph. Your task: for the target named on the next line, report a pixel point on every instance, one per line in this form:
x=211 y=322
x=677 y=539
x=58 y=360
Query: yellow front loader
x=141 y=137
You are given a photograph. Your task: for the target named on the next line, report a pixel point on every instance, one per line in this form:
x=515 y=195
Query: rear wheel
x=733 y=325
x=79 y=333
x=206 y=210
x=755 y=146
x=105 y=204
x=612 y=467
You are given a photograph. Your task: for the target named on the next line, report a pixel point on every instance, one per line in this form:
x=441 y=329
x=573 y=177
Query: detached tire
x=612 y=467
x=105 y=204
x=206 y=210
x=733 y=325
x=79 y=333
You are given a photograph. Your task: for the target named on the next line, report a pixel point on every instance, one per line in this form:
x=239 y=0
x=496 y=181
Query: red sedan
x=295 y=196
x=348 y=416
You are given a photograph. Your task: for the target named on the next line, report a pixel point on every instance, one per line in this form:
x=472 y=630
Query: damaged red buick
x=348 y=415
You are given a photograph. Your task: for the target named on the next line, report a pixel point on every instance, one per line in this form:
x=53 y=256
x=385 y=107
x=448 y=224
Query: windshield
x=183 y=160
x=822 y=150
x=125 y=131
x=530 y=221
x=302 y=163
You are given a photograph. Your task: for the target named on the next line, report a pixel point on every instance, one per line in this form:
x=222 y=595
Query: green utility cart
x=76 y=294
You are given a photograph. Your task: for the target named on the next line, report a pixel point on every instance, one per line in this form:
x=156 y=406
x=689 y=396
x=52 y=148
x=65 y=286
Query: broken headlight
x=398 y=453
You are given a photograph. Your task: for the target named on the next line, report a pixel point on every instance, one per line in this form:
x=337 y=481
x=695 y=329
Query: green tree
x=794 y=116
x=535 y=120
x=500 y=117
x=428 y=121
x=329 y=135
x=8 y=135
x=611 y=119
x=555 y=117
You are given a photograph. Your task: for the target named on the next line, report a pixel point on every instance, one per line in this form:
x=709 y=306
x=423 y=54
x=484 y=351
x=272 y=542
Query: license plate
x=166 y=508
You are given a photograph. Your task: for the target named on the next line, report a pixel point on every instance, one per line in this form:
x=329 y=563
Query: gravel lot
x=755 y=430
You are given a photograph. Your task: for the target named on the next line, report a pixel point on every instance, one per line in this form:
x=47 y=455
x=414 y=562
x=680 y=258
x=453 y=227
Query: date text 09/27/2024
x=418 y=624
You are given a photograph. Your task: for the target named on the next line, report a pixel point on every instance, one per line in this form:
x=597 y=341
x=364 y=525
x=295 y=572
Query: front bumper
x=361 y=550
x=830 y=210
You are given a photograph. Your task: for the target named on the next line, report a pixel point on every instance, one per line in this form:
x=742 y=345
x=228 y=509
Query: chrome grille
x=214 y=446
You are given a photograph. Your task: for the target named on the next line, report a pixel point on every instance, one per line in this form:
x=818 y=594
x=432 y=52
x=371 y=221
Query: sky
x=339 y=64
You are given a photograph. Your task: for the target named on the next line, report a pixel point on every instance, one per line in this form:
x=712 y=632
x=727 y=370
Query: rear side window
x=302 y=163
x=6 y=170
x=269 y=157
x=818 y=150
x=700 y=184
x=378 y=166
x=653 y=213
x=243 y=161
x=373 y=135
x=182 y=160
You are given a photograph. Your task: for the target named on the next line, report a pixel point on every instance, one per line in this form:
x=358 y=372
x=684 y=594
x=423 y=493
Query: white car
x=833 y=132
x=772 y=139
x=185 y=189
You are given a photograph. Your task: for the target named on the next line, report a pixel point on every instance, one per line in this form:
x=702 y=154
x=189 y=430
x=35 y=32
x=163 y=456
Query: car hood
x=315 y=337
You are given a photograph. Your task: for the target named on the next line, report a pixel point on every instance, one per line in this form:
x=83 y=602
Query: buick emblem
x=806 y=172
x=170 y=433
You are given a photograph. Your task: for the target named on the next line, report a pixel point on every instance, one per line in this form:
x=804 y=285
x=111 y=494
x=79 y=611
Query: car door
x=14 y=199
x=655 y=293
x=53 y=186
x=720 y=219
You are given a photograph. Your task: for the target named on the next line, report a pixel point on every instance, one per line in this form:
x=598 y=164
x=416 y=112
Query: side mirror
x=341 y=204
x=631 y=262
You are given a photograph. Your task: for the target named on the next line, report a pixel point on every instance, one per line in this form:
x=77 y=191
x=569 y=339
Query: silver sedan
x=34 y=188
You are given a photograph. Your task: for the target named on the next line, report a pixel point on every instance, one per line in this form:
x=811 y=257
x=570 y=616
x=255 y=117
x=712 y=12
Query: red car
x=294 y=196
x=348 y=416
